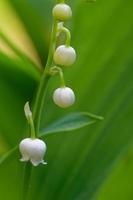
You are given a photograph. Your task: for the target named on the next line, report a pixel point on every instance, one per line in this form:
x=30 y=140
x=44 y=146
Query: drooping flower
x=33 y=150
x=62 y=12
x=64 y=55
x=64 y=97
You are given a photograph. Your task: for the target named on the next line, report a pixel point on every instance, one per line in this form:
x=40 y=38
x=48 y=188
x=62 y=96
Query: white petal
x=62 y=12
x=43 y=162
x=25 y=158
x=36 y=163
x=38 y=149
x=64 y=55
x=24 y=148
x=33 y=150
x=64 y=97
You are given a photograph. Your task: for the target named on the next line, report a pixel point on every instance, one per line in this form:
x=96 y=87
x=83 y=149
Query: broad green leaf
x=16 y=86
x=12 y=67
x=119 y=183
x=13 y=28
x=35 y=26
x=16 y=50
x=71 y=122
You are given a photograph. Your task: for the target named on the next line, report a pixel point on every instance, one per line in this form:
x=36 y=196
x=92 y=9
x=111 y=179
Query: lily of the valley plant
x=59 y=57
x=33 y=148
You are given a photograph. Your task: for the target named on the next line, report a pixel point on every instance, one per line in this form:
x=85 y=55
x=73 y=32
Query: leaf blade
x=71 y=122
x=7 y=155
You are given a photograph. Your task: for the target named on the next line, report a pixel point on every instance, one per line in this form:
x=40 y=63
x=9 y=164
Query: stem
x=32 y=128
x=54 y=70
x=68 y=35
x=62 y=78
x=52 y=43
x=28 y=115
x=44 y=81
x=26 y=180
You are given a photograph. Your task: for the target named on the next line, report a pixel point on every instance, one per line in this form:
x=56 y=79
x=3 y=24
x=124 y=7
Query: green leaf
x=121 y=178
x=8 y=155
x=18 y=52
x=12 y=67
x=11 y=173
x=71 y=122
x=38 y=30
x=16 y=86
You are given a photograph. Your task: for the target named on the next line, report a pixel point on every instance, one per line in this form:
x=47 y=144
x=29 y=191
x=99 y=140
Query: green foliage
x=93 y=162
x=70 y=122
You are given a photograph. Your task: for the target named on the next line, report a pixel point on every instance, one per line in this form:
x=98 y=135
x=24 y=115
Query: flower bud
x=33 y=150
x=64 y=97
x=64 y=55
x=62 y=12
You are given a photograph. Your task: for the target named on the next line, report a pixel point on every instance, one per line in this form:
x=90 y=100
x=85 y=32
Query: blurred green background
x=94 y=163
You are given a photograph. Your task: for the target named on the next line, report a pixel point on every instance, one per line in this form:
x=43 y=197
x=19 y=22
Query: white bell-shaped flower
x=64 y=55
x=33 y=150
x=62 y=12
x=64 y=97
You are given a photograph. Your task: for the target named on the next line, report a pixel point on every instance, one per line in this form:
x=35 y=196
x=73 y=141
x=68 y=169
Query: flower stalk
x=38 y=104
x=28 y=115
x=57 y=70
x=68 y=35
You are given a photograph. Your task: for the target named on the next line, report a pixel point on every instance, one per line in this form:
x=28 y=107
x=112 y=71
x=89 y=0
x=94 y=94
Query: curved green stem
x=68 y=35
x=54 y=70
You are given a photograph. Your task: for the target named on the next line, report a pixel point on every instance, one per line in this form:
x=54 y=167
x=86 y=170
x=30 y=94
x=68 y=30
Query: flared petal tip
x=24 y=159
x=44 y=163
x=36 y=163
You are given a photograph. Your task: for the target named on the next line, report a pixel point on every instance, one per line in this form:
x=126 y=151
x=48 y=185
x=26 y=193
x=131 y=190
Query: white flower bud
x=33 y=150
x=62 y=12
x=64 y=55
x=64 y=97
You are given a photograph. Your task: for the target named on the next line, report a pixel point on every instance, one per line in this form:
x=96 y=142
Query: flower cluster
x=33 y=149
x=64 y=55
